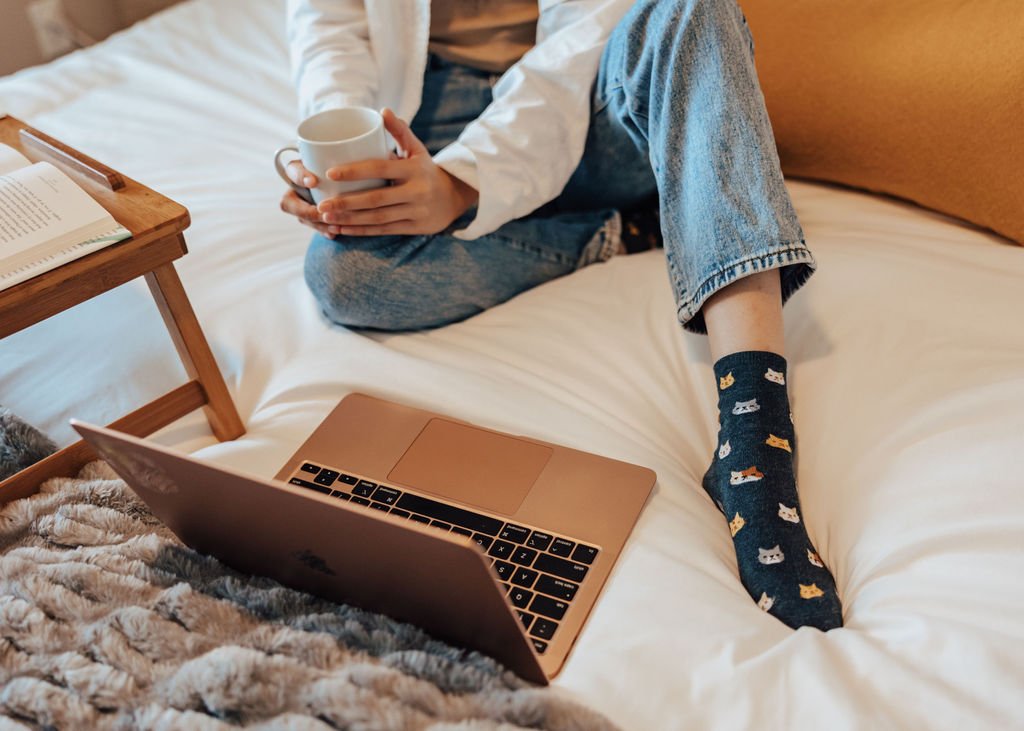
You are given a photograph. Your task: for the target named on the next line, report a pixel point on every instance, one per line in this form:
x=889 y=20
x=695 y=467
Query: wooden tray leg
x=194 y=351
x=141 y=423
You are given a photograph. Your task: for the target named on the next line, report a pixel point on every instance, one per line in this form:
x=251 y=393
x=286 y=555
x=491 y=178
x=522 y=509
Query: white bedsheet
x=908 y=395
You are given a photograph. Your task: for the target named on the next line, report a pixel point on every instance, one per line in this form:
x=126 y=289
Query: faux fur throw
x=108 y=622
x=21 y=445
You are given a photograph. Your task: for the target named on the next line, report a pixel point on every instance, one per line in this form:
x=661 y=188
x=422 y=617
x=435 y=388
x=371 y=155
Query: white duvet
x=907 y=383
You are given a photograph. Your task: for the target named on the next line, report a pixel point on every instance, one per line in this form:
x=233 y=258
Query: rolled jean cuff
x=793 y=258
x=605 y=242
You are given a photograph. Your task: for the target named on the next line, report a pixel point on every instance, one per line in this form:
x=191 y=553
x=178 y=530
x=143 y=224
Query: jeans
x=676 y=114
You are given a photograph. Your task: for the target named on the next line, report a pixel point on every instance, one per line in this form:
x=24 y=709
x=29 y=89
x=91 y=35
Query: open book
x=46 y=219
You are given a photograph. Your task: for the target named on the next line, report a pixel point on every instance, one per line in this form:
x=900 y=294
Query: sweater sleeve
x=329 y=46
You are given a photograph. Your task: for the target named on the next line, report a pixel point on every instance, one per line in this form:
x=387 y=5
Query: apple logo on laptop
x=311 y=561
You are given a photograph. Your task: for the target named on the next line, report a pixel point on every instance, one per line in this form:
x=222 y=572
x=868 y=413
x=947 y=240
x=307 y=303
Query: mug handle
x=303 y=193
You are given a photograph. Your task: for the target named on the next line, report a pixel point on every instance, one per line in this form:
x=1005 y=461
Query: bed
x=908 y=383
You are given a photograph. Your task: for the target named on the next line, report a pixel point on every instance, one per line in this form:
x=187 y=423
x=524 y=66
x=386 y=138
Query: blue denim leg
x=411 y=282
x=679 y=76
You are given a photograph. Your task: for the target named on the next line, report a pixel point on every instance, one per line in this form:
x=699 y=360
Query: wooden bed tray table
x=156 y=224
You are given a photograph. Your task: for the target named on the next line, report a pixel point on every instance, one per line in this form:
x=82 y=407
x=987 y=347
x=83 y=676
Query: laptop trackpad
x=472 y=466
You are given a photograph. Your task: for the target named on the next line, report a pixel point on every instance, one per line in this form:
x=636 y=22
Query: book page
x=11 y=159
x=8 y=278
x=38 y=204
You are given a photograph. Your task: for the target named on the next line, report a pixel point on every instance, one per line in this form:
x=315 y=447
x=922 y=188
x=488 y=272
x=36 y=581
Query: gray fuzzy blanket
x=108 y=622
x=21 y=445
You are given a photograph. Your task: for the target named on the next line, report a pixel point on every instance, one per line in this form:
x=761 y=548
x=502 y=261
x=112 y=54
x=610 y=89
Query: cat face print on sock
x=746 y=407
x=775 y=377
x=814 y=559
x=778 y=443
x=725 y=450
x=810 y=592
x=751 y=474
x=736 y=523
x=725 y=381
x=789 y=514
x=765 y=602
x=768 y=556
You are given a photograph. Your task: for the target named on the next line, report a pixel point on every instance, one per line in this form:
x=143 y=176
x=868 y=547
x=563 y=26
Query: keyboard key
x=523 y=556
x=360 y=501
x=450 y=514
x=399 y=513
x=514 y=533
x=364 y=488
x=562 y=547
x=347 y=479
x=484 y=541
x=520 y=597
x=557 y=587
x=310 y=468
x=560 y=567
x=326 y=477
x=539 y=540
x=501 y=549
x=420 y=519
x=440 y=524
x=309 y=485
x=504 y=570
x=525 y=618
x=341 y=495
x=584 y=554
x=386 y=495
x=539 y=645
x=544 y=628
x=461 y=531
x=549 y=607
x=379 y=506
x=524 y=578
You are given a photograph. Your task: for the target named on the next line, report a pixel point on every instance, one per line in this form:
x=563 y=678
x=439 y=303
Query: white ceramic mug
x=336 y=137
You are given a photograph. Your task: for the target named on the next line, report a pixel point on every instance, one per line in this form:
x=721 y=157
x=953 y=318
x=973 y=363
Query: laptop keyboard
x=541 y=571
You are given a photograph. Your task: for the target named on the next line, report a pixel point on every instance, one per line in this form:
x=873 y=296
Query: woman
x=530 y=131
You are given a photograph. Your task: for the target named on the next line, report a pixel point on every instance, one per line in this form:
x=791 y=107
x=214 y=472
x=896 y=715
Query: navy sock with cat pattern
x=753 y=481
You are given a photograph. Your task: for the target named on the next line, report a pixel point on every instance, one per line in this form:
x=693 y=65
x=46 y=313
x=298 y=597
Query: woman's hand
x=422 y=198
x=306 y=212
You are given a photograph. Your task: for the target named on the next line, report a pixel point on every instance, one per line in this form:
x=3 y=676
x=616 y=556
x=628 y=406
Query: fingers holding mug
x=295 y=173
x=307 y=214
x=299 y=175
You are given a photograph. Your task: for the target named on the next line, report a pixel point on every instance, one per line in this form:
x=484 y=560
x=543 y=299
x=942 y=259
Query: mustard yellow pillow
x=921 y=99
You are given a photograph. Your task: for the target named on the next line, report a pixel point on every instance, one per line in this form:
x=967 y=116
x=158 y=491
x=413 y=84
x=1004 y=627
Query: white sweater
x=521 y=151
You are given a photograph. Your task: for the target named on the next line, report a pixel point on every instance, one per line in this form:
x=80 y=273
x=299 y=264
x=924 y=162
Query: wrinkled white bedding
x=908 y=395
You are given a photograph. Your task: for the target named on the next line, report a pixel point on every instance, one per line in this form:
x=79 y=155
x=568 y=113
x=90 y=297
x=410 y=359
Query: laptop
x=490 y=541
